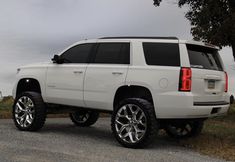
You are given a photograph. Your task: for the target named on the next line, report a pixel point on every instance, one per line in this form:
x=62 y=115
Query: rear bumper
x=182 y=106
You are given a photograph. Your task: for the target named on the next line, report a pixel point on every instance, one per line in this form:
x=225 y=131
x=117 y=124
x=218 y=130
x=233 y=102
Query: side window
x=112 y=53
x=78 y=54
x=162 y=54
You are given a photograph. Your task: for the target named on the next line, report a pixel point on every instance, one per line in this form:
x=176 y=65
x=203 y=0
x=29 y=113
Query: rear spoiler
x=200 y=44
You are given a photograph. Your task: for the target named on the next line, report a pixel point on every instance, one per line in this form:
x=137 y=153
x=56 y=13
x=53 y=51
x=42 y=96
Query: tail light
x=226 y=82
x=185 y=82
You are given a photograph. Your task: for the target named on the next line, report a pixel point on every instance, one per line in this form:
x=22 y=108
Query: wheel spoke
x=138 y=130
x=141 y=116
x=136 y=136
x=133 y=112
x=122 y=128
x=141 y=122
x=19 y=107
x=125 y=135
x=26 y=120
x=120 y=115
x=31 y=116
x=119 y=122
x=21 y=120
x=131 y=108
x=29 y=119
x=126 y=113
x=131 y=137
x=19 y=117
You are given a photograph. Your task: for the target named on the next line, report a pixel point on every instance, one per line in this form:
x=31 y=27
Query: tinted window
x=113 y=53
x=204 y=58
x=162 y=54
x=77 y=54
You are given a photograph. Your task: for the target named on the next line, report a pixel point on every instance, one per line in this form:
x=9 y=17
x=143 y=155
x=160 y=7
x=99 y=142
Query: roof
x=136 y=37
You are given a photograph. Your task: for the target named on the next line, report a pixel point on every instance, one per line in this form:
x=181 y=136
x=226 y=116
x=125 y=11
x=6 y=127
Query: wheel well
x=132 y=92
x=28 y=84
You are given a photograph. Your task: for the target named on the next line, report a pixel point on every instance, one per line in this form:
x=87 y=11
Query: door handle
x=51 y=86
x=117 y=73
x=77 y=72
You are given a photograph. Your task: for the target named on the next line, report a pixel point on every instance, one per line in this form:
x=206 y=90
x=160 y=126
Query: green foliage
x=212 y=21
x=6 y=103
x=6 y=107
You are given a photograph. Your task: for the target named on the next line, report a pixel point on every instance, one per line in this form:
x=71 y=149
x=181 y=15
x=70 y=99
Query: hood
x=36 y=65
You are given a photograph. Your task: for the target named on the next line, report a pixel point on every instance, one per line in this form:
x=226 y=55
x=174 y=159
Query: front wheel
x=184 y=129
x=29 y=111
x=134 y=124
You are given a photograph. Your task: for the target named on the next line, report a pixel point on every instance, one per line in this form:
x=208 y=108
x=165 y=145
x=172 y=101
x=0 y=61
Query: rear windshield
x=162 y=54
x=204 y=58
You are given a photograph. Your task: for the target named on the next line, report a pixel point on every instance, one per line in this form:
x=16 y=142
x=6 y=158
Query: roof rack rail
x=136 y=37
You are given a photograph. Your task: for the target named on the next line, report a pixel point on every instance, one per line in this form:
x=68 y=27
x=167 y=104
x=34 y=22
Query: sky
x=34 y=30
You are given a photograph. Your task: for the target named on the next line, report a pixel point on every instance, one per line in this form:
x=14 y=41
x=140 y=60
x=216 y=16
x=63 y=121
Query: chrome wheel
x=130 y=123
x=24 y=111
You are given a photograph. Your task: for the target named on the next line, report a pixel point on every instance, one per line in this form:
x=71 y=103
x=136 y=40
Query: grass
x=6 y=107
x=217 y=138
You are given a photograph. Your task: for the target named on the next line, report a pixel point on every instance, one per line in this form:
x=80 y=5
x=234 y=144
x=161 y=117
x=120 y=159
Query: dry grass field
x=217 y=138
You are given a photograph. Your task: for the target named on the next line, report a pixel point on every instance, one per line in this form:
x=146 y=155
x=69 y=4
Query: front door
x=64 y=84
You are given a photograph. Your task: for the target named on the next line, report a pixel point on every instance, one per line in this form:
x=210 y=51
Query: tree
x=212 y=21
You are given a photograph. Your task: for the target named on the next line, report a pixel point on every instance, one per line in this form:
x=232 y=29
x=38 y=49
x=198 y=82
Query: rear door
x=208 y=77
x=105 y=73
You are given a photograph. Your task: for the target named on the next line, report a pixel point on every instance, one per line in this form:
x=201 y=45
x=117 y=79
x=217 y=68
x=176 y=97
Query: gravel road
x=61 y=141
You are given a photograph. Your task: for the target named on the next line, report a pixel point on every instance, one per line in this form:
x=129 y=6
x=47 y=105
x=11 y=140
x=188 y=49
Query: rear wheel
x=134 y=124
x=184 y=129
x=84 y=118
x=29 y=111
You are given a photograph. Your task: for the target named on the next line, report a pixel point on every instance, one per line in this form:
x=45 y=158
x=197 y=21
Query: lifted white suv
x=147 y=83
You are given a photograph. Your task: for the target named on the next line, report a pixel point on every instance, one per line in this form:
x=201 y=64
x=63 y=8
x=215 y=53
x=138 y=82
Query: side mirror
x=57 y=59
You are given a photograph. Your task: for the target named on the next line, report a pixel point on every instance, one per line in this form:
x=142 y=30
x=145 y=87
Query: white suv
x=148 y=83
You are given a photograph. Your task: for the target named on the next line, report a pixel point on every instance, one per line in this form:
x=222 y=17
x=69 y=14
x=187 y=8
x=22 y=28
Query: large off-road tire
x=84 y=118
x=29 y=111
x=134 y=123
x=185 y=129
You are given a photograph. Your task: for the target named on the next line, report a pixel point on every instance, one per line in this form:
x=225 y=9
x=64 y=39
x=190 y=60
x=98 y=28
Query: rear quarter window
x=162 y=54
x=204 y=58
